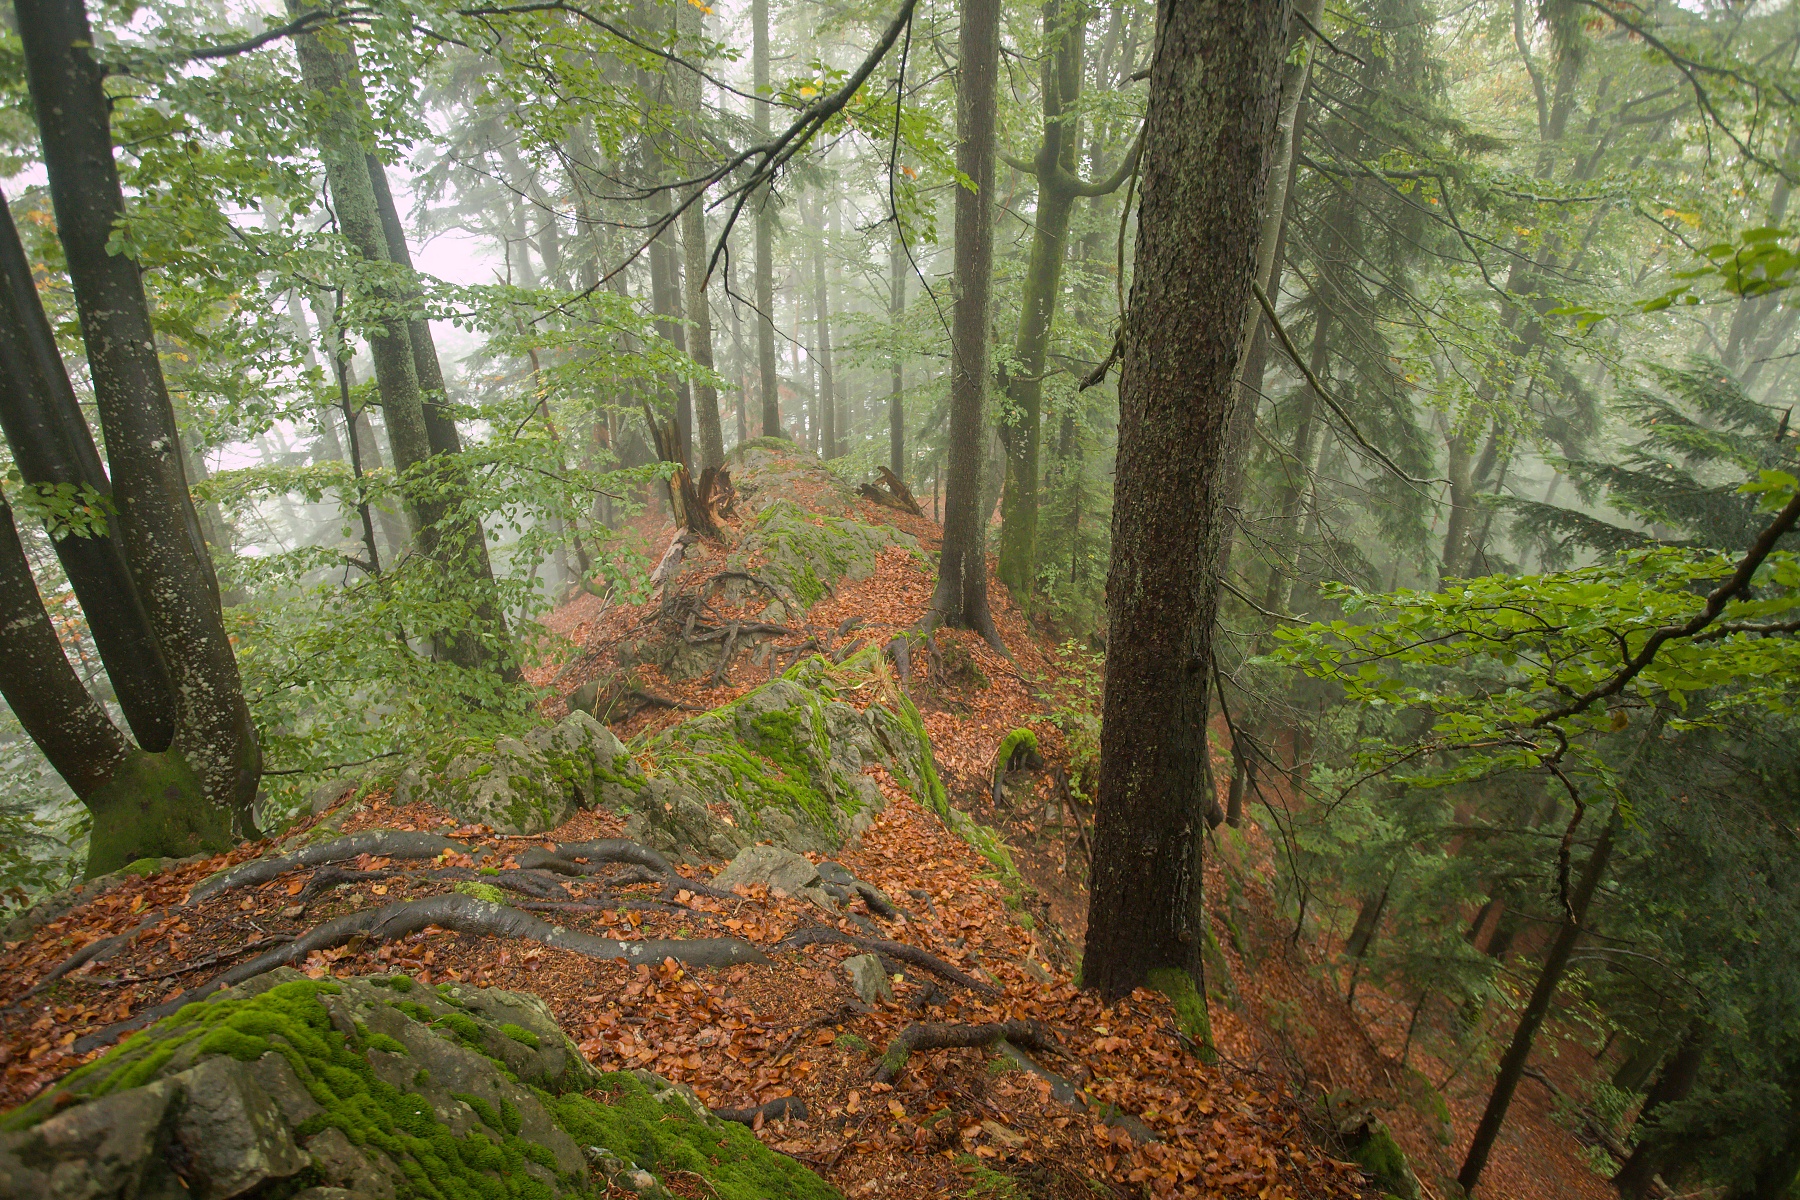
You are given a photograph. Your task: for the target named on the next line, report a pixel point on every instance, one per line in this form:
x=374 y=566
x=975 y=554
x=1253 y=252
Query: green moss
x=481 y=891
x=463 y=1026
x=1018 y=742
x=1382 y=1158
x=521 y=1035
x=487 y=870
x=1003 y=1066
x=153 y=806
x=849 y=1041
x=399 y=983
x=1190 y=1007
x=143 y=866
x=665 y=1137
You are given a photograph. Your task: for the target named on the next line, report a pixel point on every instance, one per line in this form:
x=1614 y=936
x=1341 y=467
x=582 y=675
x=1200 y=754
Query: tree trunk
x=158 y=529
x=960 y=599
x=1556 y=963
x=1021 y=428
x=828 y=430
x=700 y=340
x=896 y=359
x=665 y=301
x=1675 y=1082
x=767 y=375
x=1215 y=86
x=52 y=446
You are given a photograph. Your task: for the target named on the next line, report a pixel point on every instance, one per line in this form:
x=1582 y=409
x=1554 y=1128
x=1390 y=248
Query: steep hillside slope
x=763 y=858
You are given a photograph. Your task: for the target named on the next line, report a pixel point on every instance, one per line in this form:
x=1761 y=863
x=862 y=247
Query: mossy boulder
x=1371 y=1145
x=807 y=554
x=529 y=784
x=785 y=764
x=378 y=1087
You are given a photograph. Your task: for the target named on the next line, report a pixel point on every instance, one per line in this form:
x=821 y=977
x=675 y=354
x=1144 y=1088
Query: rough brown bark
x=960 y=599
x=1215 y=85
x=158 y=528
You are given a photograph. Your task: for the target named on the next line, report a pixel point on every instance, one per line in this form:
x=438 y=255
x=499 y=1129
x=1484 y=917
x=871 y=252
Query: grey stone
x=778 y=870
x=111 y=1147
x=529 y=785
x=349 y=1170
x=868 y=978
x=229 y=1135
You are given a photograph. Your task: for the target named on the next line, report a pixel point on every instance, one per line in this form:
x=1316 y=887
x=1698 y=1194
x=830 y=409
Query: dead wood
x=458 y=913
x=937 y=1036
x=380 y=843
x=900 y=951
x=782 y=1108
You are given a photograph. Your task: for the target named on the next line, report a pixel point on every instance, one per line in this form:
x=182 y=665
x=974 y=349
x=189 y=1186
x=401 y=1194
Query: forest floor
x=1247 y=1126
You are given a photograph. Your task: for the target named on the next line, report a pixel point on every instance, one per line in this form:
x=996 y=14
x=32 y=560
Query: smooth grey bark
x=827 y=391
x=696 y=254
x=52 y=447
x=158 y=528
x=960 y=599
x=1215 y=89
x=767 y=375
x=896 y=360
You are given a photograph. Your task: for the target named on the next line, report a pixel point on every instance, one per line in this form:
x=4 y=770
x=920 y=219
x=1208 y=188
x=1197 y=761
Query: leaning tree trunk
x=157 y=526
x=1556 y=963
x=1672 y=1085
x=52 y=447
x=961 y=596
x=1215 y=85
x=896 y=360
x=769 y=380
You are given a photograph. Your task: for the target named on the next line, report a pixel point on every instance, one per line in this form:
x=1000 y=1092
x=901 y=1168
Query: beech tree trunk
x=158 y=529
x=1022 y=428
x=896 y=361
x=51 y=445
x=1215 y=87
x=1556 y=964
x=768 y=378
x=960 y=599
x=828 y=430
x=696 y=256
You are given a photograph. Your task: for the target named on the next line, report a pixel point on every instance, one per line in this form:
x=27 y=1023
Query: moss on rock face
x=529 y=784
x=788 y=761
x=1190 y=1008
x=287 y=1083
x=808 y=554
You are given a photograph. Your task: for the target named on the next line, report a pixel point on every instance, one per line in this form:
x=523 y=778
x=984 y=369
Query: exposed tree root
x=457 y=912
x=934 y=1036
x=562 y=860
x=539 y=885
x=779 y=1109
x=609 y=904
x=383 y=843
x=1061 y=1089
x=923 y=959
x=96 y=951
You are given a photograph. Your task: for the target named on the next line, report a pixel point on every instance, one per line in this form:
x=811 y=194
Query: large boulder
x=785 y=765
x=529 y=784
x=372 y=1087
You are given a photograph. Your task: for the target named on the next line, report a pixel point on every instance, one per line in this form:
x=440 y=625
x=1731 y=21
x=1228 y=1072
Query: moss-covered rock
x=785 y=764
x=374 y=1086
x=807 y=554
x=1369 y=1143
x=528 y=784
